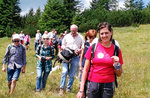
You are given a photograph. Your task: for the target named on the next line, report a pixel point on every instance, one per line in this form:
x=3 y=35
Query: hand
x=80 y=95
x=115 y=59
x=40 y=58
x=48 y=58
x=3 y=69
x=23 y=69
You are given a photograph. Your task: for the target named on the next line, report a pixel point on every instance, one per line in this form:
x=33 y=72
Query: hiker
x=60 y=41
x=27 y=41
x=55 y=42
x=89 y=37
x=37 y=39
x=22 y=37
x=102 y=67
x=74 y=41
x=45 y=54
x=15 y=56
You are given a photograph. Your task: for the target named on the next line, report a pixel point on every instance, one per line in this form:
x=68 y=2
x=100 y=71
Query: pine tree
x=113 y=4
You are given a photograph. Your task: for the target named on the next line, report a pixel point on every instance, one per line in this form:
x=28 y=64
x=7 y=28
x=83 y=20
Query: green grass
x=134 y=82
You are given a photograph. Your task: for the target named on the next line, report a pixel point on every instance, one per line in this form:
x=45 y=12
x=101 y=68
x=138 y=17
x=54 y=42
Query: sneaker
x=61 y=92
x=68 y=90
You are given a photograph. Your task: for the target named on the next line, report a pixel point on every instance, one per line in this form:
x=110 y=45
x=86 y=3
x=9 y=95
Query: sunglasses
x=45 y=38
x=16 y=41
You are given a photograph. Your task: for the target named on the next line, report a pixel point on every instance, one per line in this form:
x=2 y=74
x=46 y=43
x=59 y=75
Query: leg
x=94 y=91
x=64 y=75
x=108 y=90
x=44 y=79
x=12 y=87
x=39 y=77
x=14 y=79
x=9 y=86
x=73 y=68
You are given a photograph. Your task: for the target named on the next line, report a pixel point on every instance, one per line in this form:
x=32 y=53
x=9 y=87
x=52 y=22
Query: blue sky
x=26 y=5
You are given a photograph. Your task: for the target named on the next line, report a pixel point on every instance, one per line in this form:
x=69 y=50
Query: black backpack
x=116 y=53
x=65 y=55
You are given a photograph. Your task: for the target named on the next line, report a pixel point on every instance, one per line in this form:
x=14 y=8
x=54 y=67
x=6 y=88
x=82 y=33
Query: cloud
x=121 y=4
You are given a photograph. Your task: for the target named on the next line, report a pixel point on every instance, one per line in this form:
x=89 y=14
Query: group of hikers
x=99 y=60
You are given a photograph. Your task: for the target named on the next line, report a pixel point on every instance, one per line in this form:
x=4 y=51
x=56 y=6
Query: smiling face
x=16 y=42
x=105 y=35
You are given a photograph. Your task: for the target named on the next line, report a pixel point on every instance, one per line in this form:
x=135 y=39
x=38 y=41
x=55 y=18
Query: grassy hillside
x=134 y=82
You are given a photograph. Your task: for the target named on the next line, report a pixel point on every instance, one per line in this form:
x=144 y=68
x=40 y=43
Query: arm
x=83 y=79
x=24 y=60
x=5 y=59
x=81 y=58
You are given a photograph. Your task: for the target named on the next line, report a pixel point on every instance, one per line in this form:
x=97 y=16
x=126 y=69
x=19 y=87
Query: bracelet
x=117 y=67
x=81 y=91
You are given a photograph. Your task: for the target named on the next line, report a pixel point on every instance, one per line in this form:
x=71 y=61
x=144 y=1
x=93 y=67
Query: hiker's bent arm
x=83 y=79
x=119 y=71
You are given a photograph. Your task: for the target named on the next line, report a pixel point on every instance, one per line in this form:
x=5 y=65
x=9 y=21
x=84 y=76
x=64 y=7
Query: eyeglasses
x=16 y=41
x=45 y=38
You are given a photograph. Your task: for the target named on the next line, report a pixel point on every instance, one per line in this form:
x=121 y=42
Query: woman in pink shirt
x=104 y=66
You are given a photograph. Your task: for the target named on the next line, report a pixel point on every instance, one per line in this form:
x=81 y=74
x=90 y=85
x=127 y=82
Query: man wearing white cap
x=15 y=56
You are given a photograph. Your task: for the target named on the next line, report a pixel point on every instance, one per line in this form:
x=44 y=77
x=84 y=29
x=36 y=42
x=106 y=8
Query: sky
x=26 y=5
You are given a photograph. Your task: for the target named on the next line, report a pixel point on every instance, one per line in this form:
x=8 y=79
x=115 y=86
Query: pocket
x=93 y=87
x=109 y=89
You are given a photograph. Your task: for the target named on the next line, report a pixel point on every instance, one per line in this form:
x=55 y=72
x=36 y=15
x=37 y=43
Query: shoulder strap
x=93 y=50
x=9 y=47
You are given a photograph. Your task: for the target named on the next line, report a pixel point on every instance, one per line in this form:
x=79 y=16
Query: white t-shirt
x=50 y=34
x=21 y=35
x=73 y=43
x=37 y=36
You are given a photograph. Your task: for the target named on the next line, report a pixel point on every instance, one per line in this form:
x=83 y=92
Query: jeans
x=13 y=74
x=36 y=44
x=74 y=63
x=100 y=90
x=41 y=79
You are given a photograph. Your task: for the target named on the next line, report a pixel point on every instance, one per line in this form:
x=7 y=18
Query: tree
x=9 y=16
x=113 y=4
x=54 y=16
x=134 y=4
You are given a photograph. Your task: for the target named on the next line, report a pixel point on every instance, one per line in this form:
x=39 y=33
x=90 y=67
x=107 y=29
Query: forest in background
x=60 y=14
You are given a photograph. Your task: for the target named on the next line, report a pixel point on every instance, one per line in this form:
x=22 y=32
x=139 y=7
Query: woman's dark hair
x=104 y=25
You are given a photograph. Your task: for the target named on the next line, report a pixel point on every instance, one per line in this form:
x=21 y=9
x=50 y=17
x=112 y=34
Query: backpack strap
x=116 y=53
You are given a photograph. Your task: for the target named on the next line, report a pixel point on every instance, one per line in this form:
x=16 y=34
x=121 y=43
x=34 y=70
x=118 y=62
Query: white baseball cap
x=16 y=36
x=45 y=36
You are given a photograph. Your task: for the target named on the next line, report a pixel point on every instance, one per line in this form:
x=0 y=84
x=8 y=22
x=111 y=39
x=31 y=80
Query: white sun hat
x=16 y=36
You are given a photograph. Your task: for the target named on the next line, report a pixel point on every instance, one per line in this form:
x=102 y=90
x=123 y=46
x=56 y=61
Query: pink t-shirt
x=102 y=70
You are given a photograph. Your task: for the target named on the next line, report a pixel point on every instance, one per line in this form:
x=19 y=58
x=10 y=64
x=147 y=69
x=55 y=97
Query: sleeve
x=38 y=50
x=88 y=53
x=24 y=56
x=120 y=57
x=63 y=42
x=5 y=60
x=52 y=50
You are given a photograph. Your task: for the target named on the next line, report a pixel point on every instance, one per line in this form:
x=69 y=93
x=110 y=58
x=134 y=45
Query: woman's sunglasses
x=16 y=41
x=45 y=38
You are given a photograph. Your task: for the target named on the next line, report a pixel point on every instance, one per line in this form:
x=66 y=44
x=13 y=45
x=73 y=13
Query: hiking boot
x=61 y=92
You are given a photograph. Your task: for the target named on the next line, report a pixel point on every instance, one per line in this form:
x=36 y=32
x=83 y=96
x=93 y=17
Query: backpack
x=65 y=55
x=116 y=53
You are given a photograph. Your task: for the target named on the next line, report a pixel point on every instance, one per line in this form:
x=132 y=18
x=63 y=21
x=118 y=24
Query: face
x=105 y=35
x=74 y=30
x=45 y=40
x=16 y=42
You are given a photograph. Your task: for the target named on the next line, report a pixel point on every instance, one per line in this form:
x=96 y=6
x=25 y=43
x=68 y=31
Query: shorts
x=27 y=43
x=13 y=74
